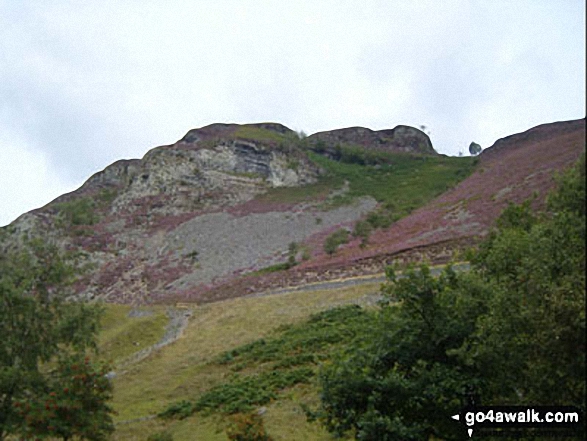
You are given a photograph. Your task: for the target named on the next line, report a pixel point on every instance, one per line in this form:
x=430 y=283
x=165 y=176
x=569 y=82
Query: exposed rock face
x=400 y=139
x=136 y=237
x=228 y=173
x=188 y=215
x=116 y=174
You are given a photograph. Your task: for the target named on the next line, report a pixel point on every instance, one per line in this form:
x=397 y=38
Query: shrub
x=180 y=410
x=363 y=230
x=247 y=427
x=379 y=219
x=78 y=211
x=292 y=251
x=244 y=393
x=332 y=242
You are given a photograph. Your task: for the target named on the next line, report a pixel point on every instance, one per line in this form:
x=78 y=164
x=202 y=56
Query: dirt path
x=351 y=281
x=179 y=317
x=178 y=321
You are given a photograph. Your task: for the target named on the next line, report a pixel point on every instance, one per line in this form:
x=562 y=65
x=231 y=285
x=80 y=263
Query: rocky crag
x=194 y=220
x=185 y=215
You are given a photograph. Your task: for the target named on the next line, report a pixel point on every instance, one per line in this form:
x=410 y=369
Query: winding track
x=179 y=317
x=352 y=281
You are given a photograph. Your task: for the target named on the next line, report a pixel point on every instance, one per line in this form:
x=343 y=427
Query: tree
x=532 y=343
x=511 y=331
x=39 y=330
x=474 y=149
x=403 y=383
x=73 y=404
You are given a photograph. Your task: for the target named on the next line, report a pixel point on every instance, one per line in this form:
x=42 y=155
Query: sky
x=85 y=83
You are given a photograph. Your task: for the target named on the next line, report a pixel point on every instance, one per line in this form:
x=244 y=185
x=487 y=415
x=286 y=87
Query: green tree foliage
x=394 y=387
x=74 y=402
x=510 y=331
x=533 y=340
x=474 y=149
x=40 y=332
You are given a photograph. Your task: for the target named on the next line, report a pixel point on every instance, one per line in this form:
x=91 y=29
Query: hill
x=515 y=168
x=233 y=209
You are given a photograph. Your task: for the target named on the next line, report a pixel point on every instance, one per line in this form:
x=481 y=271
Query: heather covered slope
x=215 y=214
x=512 y=170
x=515 y=168
x=224 y=200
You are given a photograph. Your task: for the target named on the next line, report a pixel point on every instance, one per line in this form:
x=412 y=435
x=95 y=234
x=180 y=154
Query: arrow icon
x=457 y=417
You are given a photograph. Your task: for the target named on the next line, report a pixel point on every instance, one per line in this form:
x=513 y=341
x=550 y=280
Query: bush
x=336 y=239
x=363 y=230
x=380 y=219
x=78 y=212
x=244 y=393
x=247 y=427
x=180 y=410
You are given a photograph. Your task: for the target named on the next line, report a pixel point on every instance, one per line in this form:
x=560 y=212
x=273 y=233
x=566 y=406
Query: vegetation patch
x=272 y=269
x=267 y=366
x=82 y=213
x=259 y=134
x=332 y=242
x=122 y=335
x=402 y=181
x=244 y=393
x=311 y=192
x=78 y=212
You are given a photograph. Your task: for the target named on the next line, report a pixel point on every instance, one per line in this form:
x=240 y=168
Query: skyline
x=83 y=84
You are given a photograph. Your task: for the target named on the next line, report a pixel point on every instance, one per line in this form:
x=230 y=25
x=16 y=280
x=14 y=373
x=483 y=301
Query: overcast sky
x=85 y=83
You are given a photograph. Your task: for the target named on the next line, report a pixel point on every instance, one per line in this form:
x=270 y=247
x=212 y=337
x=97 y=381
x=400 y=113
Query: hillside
x=232 y=209
x=513 y=169
x=224 y=200
x=268 y=204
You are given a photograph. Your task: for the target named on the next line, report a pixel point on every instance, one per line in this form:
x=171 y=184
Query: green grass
x=399 y=182
x=403 y=181
x=258 y=134
x=122 y=335
x=189 y=368
x=267 y=366
x=306 y=193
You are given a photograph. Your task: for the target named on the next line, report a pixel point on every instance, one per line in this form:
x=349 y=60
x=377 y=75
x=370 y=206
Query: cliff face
x=189 y=219
x=185 y=215
x=403 y=139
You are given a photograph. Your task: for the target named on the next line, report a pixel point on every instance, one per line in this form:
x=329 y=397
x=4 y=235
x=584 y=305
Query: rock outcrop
x=164 y=222
x=402 y=139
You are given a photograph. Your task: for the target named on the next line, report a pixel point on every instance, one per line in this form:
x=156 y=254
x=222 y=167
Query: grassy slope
x=186 y=369
x=518 y=167
x=401 y=181
x=122 y=336
x=404 y=180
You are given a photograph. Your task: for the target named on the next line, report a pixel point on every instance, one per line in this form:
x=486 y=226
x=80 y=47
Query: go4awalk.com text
x=502 y=420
